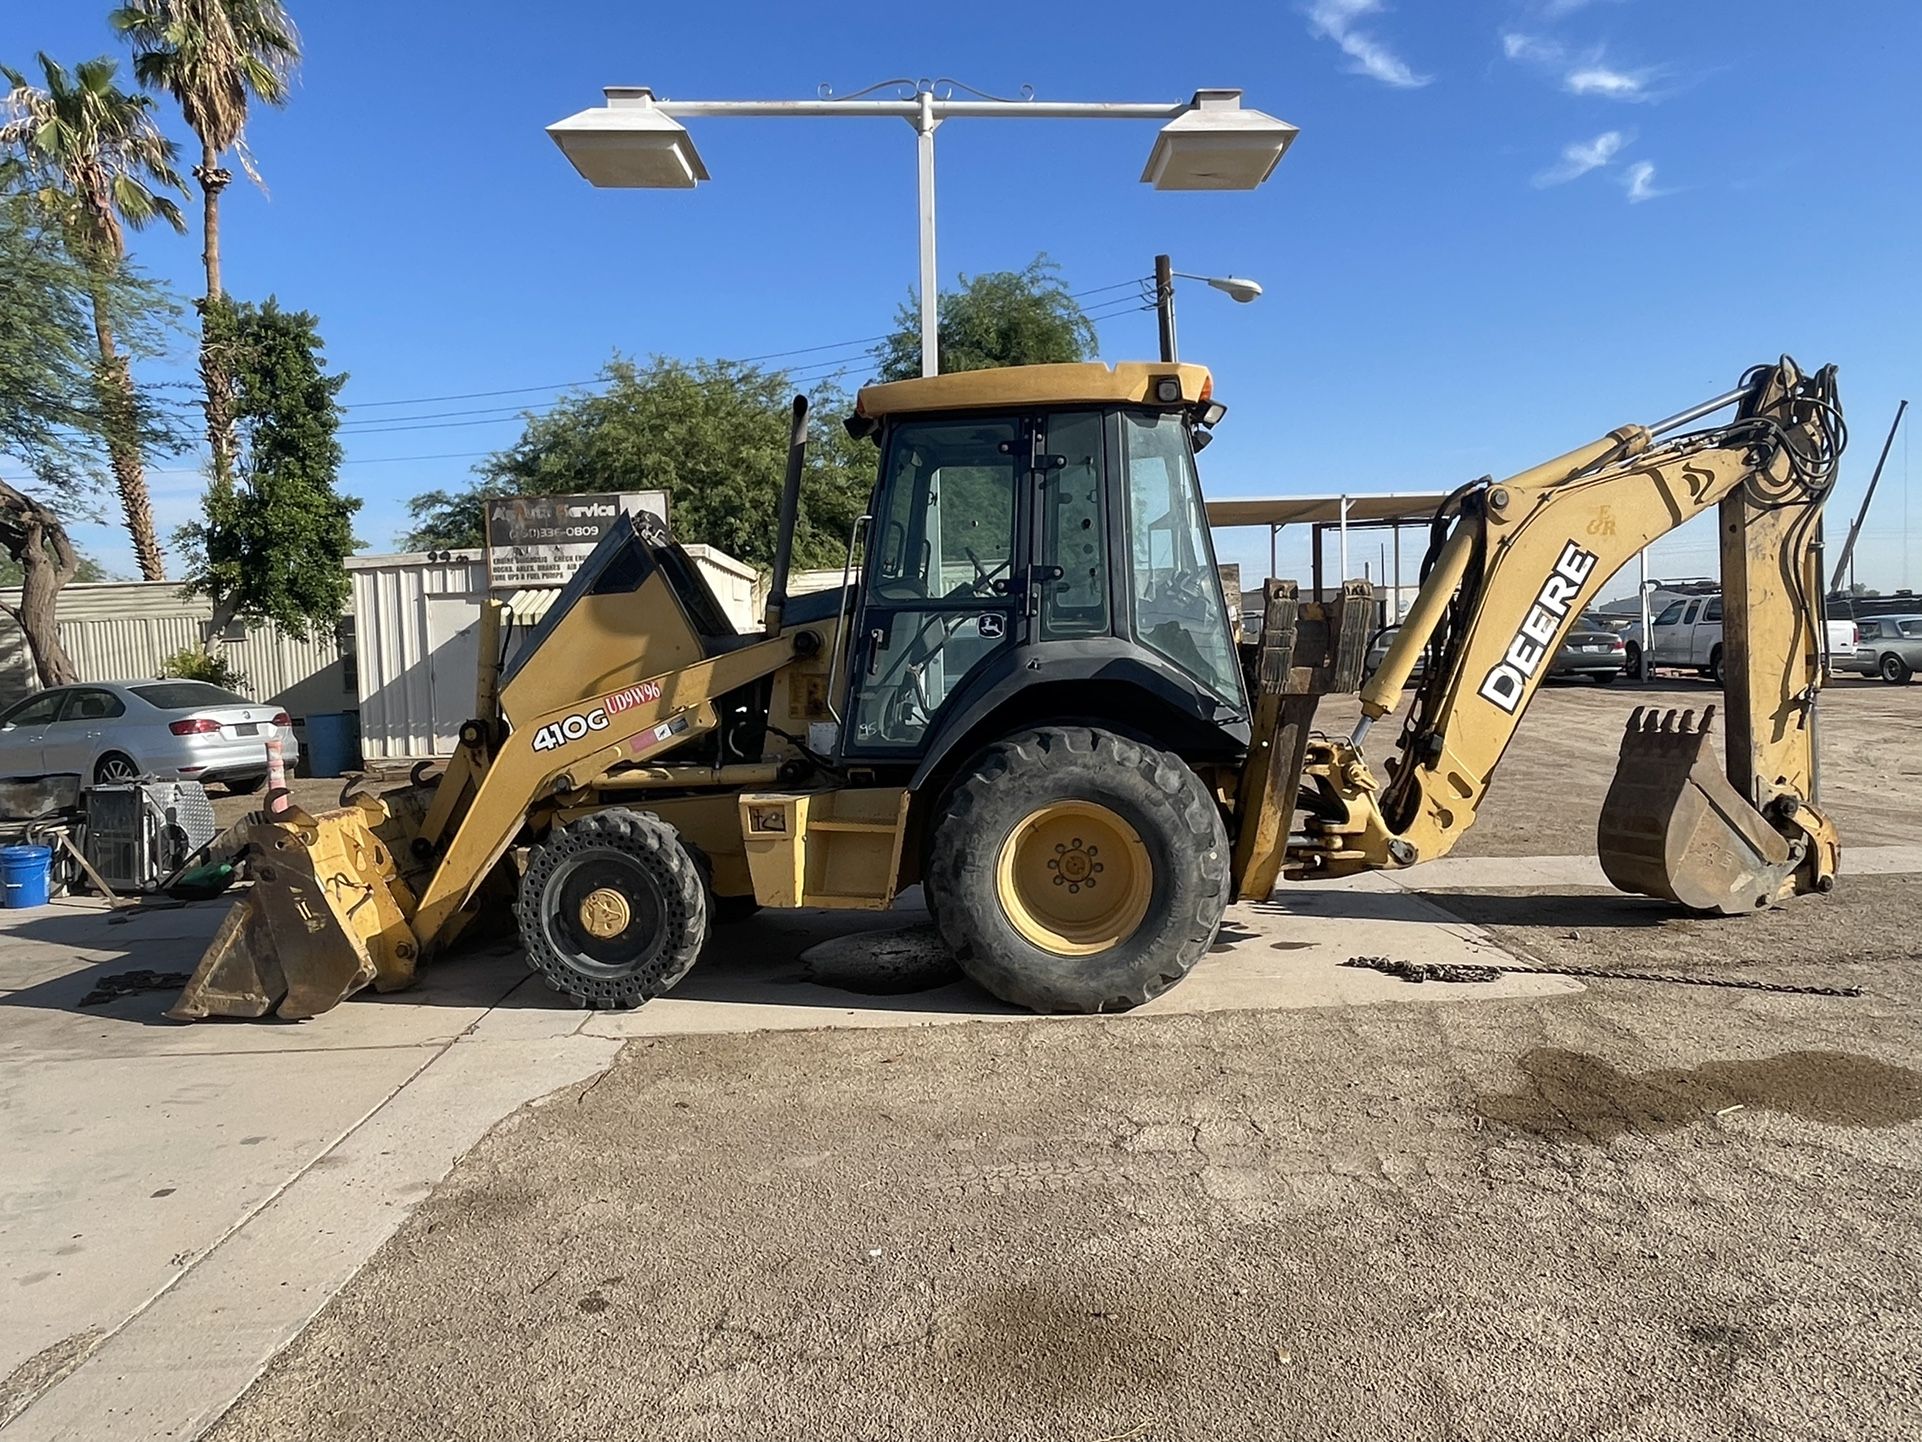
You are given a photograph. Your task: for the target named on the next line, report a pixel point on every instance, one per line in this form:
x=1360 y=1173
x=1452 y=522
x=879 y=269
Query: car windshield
x=187 y=695
x=1589 y=621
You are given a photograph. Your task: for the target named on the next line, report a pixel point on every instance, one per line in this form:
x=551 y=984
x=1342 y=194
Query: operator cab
x=1032 y=526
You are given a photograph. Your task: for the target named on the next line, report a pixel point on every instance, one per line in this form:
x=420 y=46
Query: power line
x=737 y=360
x=444 y=456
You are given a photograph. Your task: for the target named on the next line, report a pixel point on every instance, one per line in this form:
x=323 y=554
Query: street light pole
x=1207 y=143
x=924 y=127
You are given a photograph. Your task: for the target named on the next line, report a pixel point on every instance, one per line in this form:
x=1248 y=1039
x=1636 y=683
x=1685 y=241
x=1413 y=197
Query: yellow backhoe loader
x=1026 y=696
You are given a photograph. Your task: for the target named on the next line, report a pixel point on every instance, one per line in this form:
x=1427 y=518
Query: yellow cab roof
x=1075 y=383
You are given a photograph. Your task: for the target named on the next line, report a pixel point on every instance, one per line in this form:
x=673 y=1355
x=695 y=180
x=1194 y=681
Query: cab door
x=947 y=575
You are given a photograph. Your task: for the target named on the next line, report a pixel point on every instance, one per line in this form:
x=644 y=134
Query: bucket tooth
x=327 y=916
x=1673 y=827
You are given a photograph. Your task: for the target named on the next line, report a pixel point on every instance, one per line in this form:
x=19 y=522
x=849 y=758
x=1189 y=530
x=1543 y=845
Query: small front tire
x=613 y=909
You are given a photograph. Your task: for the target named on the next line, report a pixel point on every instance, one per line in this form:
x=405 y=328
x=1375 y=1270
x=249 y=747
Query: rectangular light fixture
x=629 y=144
x=1217 y=145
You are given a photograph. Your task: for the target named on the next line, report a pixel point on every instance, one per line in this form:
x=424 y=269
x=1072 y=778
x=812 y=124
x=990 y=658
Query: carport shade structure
x=1343 y=511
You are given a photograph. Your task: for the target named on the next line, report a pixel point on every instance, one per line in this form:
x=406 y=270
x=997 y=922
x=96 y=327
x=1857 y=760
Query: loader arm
x=1510 y=576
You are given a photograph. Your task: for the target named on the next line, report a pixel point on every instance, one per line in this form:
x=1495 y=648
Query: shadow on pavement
x=1571 y=908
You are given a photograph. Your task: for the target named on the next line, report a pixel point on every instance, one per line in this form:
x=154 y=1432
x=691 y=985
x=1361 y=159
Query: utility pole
x=1165 y=305
x=1846 y=565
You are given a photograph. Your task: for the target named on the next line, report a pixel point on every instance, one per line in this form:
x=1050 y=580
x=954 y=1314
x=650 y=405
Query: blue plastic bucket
x=23 y=874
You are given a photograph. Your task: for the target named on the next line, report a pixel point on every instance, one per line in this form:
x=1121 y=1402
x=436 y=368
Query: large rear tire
x=1074 y=870
x=1895 y=670
x=613 y=909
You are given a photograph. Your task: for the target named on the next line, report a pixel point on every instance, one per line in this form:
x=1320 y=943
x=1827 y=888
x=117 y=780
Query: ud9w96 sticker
x=597 y=717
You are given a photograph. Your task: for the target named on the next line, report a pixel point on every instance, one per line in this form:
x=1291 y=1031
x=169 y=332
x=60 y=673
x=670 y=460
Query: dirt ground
x=1645 y=1211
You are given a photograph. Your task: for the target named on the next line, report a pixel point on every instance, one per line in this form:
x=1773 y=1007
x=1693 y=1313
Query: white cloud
x=1582 y=156
x=1532 y=49
x=1335 y=20
x=1609 y=83
x=1639 y=181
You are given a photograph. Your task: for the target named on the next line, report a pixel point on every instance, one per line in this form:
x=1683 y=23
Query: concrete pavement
x=178 y=1200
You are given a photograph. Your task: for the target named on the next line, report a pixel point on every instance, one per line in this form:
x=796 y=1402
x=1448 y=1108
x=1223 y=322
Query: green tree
x=271 y=544
x=86 y=569
x=214 y=57
x=1004 y=318
x=712 y=434
x=88 y=155
x=52 y=418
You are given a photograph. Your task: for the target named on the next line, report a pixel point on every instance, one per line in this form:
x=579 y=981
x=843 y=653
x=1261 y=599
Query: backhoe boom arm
x=1522 y=560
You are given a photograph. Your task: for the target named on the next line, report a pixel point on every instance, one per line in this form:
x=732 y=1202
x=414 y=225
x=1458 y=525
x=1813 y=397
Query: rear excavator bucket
x=1674 y=827
x=327 y=915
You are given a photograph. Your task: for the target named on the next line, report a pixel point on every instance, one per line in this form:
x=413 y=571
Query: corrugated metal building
x=416 y=641
x=123 y=630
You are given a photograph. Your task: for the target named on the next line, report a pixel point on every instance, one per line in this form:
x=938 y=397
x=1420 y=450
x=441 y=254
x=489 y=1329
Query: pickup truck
x=1688 y=635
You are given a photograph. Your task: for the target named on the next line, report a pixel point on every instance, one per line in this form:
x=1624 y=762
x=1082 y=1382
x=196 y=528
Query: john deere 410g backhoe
x=1027 y=697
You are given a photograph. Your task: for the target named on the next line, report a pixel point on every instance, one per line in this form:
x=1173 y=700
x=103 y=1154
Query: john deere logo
x=1508 y=679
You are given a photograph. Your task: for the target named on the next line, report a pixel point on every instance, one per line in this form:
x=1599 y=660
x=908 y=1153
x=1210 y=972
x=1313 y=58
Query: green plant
x=712 y=434
x=273 y=537
x=1002 y=318
x=192 y=663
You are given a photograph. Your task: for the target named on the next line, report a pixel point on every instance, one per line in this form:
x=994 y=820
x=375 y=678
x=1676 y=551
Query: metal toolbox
x=139 y=833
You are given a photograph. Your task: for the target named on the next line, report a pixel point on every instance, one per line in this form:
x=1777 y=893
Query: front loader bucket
x=327 y=915
x=1674 y=827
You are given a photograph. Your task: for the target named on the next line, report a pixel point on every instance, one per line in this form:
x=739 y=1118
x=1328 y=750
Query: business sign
x=542 y=540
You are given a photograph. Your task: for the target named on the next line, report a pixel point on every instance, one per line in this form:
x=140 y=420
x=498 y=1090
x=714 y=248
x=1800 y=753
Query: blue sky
x=1507 y=225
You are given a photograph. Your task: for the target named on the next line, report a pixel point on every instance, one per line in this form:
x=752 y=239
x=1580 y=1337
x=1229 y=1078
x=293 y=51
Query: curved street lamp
x=1237 y=288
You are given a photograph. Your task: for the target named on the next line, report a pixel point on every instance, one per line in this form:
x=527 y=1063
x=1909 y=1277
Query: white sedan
x=120 y=730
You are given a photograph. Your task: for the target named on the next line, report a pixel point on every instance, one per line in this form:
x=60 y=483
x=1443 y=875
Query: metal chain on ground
x=1459 y=971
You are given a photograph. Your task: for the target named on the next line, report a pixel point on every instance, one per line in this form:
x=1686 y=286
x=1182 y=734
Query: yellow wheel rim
x=605 y=913
x=1074 y=878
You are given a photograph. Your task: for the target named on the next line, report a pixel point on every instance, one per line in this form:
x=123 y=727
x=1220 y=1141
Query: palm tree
x=88 y=154
x=213 y=57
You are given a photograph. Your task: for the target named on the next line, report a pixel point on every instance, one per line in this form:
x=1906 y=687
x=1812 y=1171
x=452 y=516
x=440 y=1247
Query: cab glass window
x=1178 y=608
x=946 y=527
x=1714 y=611
x=1672 y=615
x=1068 y=493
